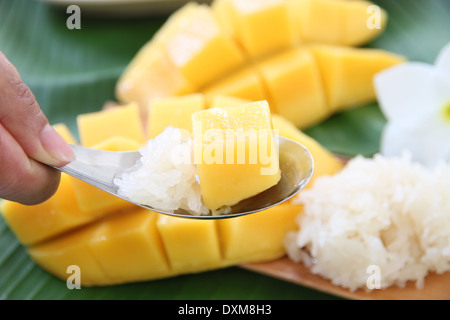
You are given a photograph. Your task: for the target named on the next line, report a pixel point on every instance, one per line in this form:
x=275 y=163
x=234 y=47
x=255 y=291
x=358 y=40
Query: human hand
x=27 y=143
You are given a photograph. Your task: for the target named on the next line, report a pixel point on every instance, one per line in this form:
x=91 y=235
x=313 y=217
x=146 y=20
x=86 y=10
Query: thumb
x=22 y=117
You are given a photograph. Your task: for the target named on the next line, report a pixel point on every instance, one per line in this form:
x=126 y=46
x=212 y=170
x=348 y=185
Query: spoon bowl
x=99 y=168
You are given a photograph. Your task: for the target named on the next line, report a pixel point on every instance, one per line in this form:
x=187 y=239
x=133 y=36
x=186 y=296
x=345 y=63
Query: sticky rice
x=164 y=177
x=385 y=214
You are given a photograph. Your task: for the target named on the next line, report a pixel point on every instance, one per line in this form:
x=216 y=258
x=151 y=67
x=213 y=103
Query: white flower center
x=446 y=112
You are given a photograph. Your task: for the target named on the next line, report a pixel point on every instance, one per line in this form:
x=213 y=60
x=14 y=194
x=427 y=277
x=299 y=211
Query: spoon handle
x=99 y=167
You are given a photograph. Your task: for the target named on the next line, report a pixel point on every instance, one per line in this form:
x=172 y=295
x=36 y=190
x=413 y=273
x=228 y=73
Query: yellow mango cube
x=235 y=153
x=260 y=26
x=349 y=23
x=173 y=111
x=325 y=162
x=320 y=21
x=220 y=101
x=257 y=237
x=294 y=84
x=123 y=121
x=128 y=247
x=347 y=73
x=191 y=245
x=94 y=200
x=70 y=250
x=201 y=49
x=244 y=83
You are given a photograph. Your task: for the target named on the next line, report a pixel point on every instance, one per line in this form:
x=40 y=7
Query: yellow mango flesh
x=172 y=111
x=343 y=22
x=348 y=73
x=245 y=83
x=260 y=26
x=124 y=121
x=128 y=247
x=295 y=87
x=198 y=44
x=254 y=231
x=191 y=245
x=229 y=147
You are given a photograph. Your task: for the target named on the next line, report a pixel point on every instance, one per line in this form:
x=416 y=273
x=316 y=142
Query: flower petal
x=443 y=60
x=404 y=91
x=427 y=143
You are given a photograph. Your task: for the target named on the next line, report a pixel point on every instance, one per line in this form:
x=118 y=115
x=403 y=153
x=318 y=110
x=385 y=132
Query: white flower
x=415 y=99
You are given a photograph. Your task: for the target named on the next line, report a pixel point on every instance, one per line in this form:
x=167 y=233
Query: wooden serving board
x=437 y=286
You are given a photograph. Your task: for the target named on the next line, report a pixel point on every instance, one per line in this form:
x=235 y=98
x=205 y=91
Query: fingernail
x=56 y=146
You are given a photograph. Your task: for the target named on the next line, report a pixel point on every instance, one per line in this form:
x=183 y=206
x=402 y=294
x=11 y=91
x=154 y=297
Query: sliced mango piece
x=191 y=245
x=94 y=200
x=348 y=73
x=246 y=238
x=325 y=163
x=244 y=83
x=260 y=26
x=173 y=111
x=199 y=44
x=229 y=153
x=71 y=249
x=128 y=247
x=124 y=121
x=295 y=87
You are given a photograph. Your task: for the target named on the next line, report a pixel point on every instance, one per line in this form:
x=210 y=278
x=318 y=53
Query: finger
x=23 y=180
x=21 y=115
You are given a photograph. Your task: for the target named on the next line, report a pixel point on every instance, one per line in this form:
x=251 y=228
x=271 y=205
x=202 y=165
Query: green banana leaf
x=74 y=71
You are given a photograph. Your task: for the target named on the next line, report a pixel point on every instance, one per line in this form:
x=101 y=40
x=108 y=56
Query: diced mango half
x=124 y=121
x=295 y=88
x=201 y=49
x=173 y=111
x=244 y=83
x=260 y=26
x=348 y=73
x=235 y=153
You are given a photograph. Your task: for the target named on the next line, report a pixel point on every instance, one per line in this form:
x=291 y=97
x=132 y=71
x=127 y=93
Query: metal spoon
x=99 y=168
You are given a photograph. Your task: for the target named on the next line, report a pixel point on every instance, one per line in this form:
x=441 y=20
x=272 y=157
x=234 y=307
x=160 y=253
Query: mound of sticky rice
x=164 y=177
x=388 y=215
